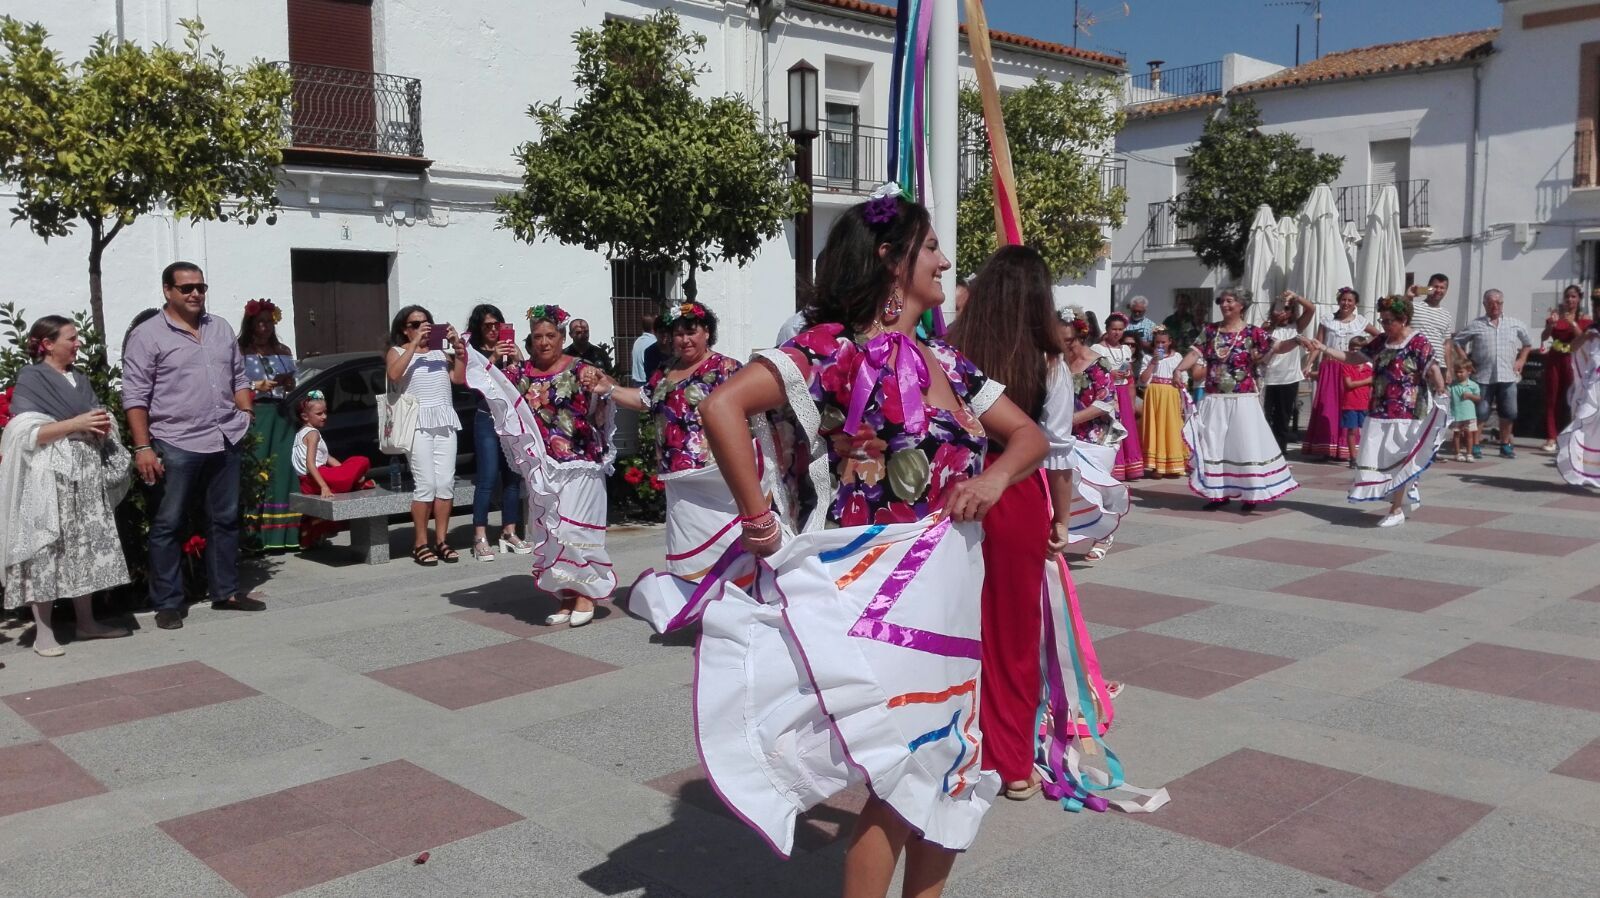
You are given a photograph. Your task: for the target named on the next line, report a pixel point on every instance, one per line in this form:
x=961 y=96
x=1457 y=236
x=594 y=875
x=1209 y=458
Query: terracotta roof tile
x=999 y=37
x=1176 y=104
x=1379 y=59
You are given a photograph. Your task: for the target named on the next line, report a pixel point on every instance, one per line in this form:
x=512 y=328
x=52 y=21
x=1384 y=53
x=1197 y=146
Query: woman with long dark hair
x=860 y=634
x=426 y=374
x=1114 y=348
x=270 y=367
x=493 y=473
x=1563 y=327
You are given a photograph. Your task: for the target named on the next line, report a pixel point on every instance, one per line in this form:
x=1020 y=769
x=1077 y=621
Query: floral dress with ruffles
x=1092 y=386
x=675 y=404
x=562 y=408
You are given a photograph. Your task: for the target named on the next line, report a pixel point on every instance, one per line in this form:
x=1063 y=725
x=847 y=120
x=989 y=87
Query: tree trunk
x=690 y=288
x=97 y=249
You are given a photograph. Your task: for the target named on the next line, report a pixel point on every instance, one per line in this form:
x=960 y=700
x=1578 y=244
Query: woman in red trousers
x=1008 y=329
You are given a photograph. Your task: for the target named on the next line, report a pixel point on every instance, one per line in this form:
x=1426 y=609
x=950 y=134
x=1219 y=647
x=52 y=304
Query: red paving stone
x=102 y=702
x=1513 y=541
x=1589 y=595
x=1131 y=609
x=37 y=775
x=484 y=675
x=1293 y=551
x=1584 y=763
x=1180 y=666
x=1575 y=503
x=310 y=834
x=1518 y=673
x=1461 y=517
x=506 y=621
x=1377 y=590
x=814 y=829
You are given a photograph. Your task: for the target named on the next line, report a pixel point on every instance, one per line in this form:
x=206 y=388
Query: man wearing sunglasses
x=189 y=406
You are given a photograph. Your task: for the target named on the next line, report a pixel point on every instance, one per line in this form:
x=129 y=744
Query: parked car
x=354 y=383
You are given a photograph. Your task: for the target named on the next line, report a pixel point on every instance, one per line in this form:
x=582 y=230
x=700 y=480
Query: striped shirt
x=1435 y=322
x=1493 y=347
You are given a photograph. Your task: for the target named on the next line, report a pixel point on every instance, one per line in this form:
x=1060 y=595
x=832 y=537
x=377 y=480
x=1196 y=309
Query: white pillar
x=944 y=145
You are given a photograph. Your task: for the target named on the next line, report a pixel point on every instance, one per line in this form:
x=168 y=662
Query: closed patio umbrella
x=1322 y=264
x=1288 y=248
x=1352 y=247
x=1382 y=268
x=1263 y=276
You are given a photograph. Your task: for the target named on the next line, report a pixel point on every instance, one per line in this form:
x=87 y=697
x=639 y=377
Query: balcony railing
x=1584 y=158
x=347 y=109
x=1167 y=84
x=1163 y=230
x=974 y=164
x=1355 y=202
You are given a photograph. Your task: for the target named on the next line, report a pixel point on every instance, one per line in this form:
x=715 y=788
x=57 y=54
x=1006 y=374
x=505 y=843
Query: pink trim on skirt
x=1130 y=455
x=1322 y=432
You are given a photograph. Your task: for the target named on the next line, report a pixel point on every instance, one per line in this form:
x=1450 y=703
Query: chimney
x=1155 y=73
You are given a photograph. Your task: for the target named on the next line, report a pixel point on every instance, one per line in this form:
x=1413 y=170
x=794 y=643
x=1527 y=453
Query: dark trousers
x=213 y=477
x=492 y=473
x=1278 y=402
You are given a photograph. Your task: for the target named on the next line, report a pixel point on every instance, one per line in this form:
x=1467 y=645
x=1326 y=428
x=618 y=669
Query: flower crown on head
x=257 y=306
x=551 y=313
x=683 y=311
x=1394 y=305
x=883 y=205
x=315 y=396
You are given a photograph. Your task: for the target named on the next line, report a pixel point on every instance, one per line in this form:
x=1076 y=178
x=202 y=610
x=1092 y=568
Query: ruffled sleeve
x=1056 y=419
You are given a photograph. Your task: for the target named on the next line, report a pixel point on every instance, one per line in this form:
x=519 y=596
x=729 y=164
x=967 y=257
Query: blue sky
x=1184 y=32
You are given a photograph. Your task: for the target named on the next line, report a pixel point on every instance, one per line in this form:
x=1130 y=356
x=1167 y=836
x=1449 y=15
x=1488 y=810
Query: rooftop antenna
x=1084 y=19
x=1315 y=8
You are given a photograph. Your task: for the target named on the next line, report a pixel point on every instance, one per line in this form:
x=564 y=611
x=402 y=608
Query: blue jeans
x=213 y=477
x=1504 y=396
x=492 y=472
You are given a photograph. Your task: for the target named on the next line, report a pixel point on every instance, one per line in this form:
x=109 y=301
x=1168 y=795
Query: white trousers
x=433 y=464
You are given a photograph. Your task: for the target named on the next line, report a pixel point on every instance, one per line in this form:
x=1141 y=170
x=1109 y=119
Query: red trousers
x=341 y=479
x=1014 y=535
x=1557 y=382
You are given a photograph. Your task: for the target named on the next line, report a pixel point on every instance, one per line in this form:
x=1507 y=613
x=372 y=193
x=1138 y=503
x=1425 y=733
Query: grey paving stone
x=1226 y=569
x=1281 y=700
x=638 y=739
x=1569 y=617
x=1510 y=854
x=160 y=747
x=140 y=862
x=1241 y=874
x=622 y=642
x=1578 y=525
x=1463 y=571
x=1100 y=854
x=1258 y=630
x=399 y=879
x=1147 y=531
x=14 y=730
x=407 y=642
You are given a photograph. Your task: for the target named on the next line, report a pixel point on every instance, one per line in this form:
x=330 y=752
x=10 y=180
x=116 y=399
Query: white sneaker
x=1462 y=457
x=1393 y=519
x=1550 y=446
x=1413 y=497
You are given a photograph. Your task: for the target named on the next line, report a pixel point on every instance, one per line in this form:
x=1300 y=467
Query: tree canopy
x=1060 y=134
x=131 y=129
x=641 y=168
x=1233 y=169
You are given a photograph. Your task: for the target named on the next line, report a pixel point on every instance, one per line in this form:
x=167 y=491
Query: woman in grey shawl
x=62 y=472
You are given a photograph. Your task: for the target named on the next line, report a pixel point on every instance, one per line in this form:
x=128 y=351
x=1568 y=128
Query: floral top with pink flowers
x=564 y=410
x=1231 y=359
x=884 y=473
x=1090 y=386
x=680 y=443
x=1397 y=376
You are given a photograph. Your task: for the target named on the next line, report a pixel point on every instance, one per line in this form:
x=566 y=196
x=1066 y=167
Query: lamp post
x=802 y=129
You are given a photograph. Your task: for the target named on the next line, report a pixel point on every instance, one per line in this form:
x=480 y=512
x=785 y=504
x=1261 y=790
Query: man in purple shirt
x=189 y=406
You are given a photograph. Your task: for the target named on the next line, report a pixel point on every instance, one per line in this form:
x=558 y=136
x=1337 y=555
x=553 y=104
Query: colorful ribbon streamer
x=1007 y=217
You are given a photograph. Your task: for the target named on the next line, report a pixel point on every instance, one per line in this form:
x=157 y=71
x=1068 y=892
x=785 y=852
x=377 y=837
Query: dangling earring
x=892 y=307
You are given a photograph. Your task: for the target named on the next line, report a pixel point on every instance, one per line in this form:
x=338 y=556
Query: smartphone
x=508 y=333
x=436 y=337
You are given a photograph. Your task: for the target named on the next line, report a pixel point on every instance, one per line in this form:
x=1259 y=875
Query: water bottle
x=396 y=479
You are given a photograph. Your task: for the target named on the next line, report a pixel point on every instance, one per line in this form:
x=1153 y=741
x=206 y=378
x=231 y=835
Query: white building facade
x=1483 y=134
x=391 y=204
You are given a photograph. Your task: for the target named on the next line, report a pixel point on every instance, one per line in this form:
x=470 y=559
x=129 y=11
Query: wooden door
x=341 y=301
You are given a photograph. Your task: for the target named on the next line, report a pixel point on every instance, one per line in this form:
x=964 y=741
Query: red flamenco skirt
x=1322 y=434
x=345 y=478
x=1130 y=454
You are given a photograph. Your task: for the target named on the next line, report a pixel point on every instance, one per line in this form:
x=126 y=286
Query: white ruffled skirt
x=1233 y=451
x=1395 y=451
x=1578 y=447
x=702 y=522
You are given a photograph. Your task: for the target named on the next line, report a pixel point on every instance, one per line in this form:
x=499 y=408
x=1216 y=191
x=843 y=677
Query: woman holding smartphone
x=418 y=365
x=488 y=333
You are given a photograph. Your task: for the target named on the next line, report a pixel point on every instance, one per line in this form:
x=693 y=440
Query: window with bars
x=637 y=290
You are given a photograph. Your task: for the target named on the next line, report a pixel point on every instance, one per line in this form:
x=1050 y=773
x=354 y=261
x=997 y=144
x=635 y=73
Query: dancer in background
x=1161 y=419
x=1114 y=348
x=1563 y=326
x=1578 y=446
x=1099 y=499
x=1333 y=329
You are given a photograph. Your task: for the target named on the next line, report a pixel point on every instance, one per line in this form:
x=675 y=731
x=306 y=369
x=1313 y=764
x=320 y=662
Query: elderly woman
x=269 y=365
x=1563 y=327
x=1333 y=329
x=62 y=473
x=1235 y=455
x=418 y=366
x=1117 y=348
x=1403 y=429
x=701 y=516
x=494 y=474
x=576 y=427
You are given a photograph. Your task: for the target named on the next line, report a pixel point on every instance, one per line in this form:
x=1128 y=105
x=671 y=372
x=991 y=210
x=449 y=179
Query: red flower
x=195 y=546
x=5 y=406
x=655 y=483
x=633 y=476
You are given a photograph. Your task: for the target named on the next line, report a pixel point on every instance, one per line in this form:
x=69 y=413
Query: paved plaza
x=1336 y=710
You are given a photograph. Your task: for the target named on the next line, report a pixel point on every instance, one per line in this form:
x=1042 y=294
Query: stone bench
x=367 y=512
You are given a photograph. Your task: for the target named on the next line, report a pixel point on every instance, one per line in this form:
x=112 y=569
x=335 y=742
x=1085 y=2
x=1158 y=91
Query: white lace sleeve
x=1056 y=420
x=987 y=396
x=797 y=393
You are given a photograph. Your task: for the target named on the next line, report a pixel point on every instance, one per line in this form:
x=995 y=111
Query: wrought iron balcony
x=1355 y=202
x=1163 y=230
x=974 y=164
x=1584 y=157
x=355 y=111
x=1168 y=84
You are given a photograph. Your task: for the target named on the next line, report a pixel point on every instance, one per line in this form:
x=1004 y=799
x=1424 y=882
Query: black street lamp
x=802 y=129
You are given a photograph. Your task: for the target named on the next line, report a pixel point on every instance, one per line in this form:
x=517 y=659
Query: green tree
x=1233 y=169
x=643 y=169
x=1059 y=133
x=132 y=129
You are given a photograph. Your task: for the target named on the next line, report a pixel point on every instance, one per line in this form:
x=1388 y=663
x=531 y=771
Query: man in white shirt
x=645 y=341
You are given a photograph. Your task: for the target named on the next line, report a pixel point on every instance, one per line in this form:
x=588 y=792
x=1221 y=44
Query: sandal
x=481 y=551
x=446 y=554
x=1025 y=791
x=424 y=556
x=1095 y=554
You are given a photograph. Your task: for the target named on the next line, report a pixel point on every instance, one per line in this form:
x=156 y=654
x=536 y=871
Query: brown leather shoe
x=169 y=620
x=239 y=603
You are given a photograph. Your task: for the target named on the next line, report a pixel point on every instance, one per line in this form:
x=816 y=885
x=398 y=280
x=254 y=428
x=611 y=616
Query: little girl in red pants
x=320 y=473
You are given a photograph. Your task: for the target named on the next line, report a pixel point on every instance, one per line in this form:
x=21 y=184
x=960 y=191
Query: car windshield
x=306 y=369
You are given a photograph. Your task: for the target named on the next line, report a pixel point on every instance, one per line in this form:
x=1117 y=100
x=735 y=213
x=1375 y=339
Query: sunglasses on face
x=187 y=289
x=413 y=325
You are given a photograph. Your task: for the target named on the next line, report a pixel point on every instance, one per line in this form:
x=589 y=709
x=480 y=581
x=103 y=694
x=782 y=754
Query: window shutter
x=331 y=32
x=1390 y=160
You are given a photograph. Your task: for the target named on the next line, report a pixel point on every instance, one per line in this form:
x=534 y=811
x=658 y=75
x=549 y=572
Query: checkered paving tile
x=1513 y=541
x=1460 y=517
x=1294 y=551
x=310 y=834
x=1396 y=593
x=1584 y=763
x=103 y=702
x=38 y=775
x=1519 y=673
x=815 y=829
x=484 y=675
x=1575 y=503
x=1324 y=821
x=1131 y=609
x=1180 y=666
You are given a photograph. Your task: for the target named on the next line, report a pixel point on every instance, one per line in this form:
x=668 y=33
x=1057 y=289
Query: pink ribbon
x=910 y=376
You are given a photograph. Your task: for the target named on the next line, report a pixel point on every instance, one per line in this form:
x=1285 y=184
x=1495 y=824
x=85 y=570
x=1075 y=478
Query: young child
x=1161 y=420
x=1356 y=397
x=320 y=473
x=1464 y=393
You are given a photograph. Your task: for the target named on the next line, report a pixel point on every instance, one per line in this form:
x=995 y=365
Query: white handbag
x=397 y=423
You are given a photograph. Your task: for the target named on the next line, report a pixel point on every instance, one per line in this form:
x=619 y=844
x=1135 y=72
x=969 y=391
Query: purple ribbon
x=910 y=377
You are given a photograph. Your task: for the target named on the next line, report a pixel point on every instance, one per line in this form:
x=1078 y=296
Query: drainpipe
x=1477 y=197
